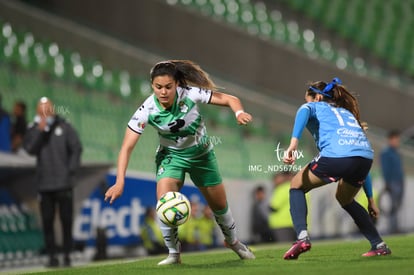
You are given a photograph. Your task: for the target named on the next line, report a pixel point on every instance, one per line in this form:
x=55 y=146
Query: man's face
x=45 y=109
x=394 y=141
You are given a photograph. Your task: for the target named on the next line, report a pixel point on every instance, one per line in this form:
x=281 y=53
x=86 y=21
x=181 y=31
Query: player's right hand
x=289 y=157
x=113 y=193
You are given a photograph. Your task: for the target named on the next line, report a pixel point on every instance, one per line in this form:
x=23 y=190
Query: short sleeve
x=301 y=119
x=199 y=95
x=139 y=120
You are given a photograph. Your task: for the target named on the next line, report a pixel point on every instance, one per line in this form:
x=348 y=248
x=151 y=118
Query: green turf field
x=326 y=257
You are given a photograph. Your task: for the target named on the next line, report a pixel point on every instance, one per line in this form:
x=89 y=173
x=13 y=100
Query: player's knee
x=295 y=183
x=343 y=200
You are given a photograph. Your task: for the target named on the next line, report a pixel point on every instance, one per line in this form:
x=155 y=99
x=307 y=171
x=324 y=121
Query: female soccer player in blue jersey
x=179 y=85
x=331 y=114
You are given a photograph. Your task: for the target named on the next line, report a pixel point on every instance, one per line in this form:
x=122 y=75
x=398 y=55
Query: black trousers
x=49 y=202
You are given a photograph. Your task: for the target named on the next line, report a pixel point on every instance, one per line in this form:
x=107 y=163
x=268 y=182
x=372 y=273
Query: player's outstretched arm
x=235 y=105
x=130 y=140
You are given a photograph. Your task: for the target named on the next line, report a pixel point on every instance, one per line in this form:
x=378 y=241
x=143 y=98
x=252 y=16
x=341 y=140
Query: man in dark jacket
x=393 y=174
x=57 y=148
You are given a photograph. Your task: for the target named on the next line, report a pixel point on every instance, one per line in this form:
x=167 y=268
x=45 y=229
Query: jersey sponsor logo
x=176 y=125
x=344 y=132
x=354 y=142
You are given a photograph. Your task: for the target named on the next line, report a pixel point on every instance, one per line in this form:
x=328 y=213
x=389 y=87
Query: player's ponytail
x=345 y=99
x=185 y=72
x=334 y=92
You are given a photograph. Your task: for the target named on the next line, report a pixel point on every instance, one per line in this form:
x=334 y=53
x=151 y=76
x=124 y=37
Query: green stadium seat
x=100 y=101
x=97 y=72
x=232 y=11
x=315 y=8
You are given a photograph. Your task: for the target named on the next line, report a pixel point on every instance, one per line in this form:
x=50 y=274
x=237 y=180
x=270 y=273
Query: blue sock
x=364 y=222
x=298 y=210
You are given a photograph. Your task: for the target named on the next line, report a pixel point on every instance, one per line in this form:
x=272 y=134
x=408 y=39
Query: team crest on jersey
x=183 y=107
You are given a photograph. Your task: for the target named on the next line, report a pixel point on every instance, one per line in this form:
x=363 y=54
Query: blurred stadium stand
x=99 y=102
x=100 y=75
x=98 y=80
x=379 y=27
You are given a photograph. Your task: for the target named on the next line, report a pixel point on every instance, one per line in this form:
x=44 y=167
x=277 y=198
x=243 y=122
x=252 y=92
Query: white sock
x=170 y=235
x=380 y=244
x=227 y=225
x=303 y=234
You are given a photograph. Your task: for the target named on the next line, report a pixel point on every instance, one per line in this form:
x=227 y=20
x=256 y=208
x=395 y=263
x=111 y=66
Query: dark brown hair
x=337 y=94
x=185 y=72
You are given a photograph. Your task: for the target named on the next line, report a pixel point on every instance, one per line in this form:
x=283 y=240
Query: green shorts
x=203 y=170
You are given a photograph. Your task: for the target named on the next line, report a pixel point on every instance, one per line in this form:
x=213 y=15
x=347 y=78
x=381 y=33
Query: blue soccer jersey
x=335 y=130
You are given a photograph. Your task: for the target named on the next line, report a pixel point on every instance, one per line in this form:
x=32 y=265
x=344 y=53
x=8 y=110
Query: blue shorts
x=353 y=170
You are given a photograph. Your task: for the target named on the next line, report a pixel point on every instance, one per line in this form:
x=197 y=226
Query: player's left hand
x=373 y=210
x=244 y=118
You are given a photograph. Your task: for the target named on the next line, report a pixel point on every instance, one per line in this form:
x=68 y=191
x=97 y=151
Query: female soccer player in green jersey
x=179 y=85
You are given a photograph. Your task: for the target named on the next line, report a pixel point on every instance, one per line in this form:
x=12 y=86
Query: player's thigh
x=215 y=196
x=306 y=180
x=165 y=185
x=345 y=192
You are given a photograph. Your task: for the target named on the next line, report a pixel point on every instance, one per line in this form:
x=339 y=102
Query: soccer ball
x=173 y=208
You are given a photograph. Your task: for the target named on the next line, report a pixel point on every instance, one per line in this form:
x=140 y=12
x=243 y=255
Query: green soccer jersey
x=181 y=128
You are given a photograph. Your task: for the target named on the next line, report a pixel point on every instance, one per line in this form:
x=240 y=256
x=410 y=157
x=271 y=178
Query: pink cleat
x=381 y=250
x=298 y=247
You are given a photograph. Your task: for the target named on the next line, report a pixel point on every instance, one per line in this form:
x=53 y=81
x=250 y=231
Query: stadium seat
x=99 y=101
x=378 y=26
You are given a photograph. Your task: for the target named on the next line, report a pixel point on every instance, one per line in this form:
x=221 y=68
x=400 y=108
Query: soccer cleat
x=381 y=250
x=242 y=250
x=173 y=258
x=298 y=247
